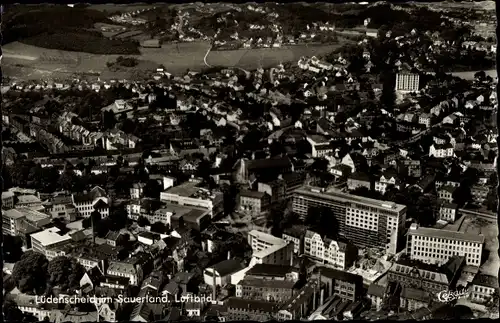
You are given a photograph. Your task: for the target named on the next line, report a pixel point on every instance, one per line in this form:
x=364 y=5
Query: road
x=482 y=215
x=206 y=55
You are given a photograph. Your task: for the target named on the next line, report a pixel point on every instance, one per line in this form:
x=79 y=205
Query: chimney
x=229 y=254
x=291 y=257
x=314 y=297
x=214 y=285
x=322 y=297
x=92 y=226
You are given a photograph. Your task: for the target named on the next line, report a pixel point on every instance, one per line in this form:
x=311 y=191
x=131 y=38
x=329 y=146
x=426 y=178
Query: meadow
x=176 y=58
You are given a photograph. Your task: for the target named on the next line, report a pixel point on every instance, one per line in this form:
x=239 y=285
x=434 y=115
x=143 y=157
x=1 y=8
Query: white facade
x=435 y=246
x=407 y=82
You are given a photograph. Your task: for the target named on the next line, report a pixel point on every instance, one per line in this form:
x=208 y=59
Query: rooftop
x=446 y=234
x=348 y=198
x=50 y=236
x=267 y=283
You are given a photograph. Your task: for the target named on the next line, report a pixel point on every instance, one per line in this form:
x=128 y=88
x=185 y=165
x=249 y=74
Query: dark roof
x=360 y=176
x=101 y=205
x=278 y=162
x=416 y=294
x=453 y=266
x=340 y=275
x=228 y=267
x=252 y=194
x=376 y=290
x=270 y=270
x=260 y=306
x=485 y=280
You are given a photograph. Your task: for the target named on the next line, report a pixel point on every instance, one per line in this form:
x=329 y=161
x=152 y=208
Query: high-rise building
x=407 y=82
x=365 y=222
x=434 y=246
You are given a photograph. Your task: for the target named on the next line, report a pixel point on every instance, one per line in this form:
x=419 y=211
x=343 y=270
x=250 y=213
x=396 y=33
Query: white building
x=327 y=251
x=190 y=194
x=407 y=82
x=48 y=238
x=435 y=246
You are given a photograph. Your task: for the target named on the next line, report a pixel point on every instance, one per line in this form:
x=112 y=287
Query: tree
x=12 y=248
x=11 y=312
x=323 y=221
x=119 y=217
x=142 y=221
x=65 y=272
x=30 y=272
x=152 y=189
x=480 y=76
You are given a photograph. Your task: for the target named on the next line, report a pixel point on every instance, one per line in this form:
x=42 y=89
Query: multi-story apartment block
x=367 y=222
x=434 y=246
x=338 y=254
x=278 y=291
x=407 y=82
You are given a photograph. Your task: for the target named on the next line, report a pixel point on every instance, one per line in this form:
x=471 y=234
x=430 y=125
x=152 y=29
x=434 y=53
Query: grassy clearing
x=120 y=8
x=266 y=57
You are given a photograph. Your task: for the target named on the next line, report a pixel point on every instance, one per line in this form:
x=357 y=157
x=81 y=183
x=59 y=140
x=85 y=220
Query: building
x=276 y=291
x=295 y=235
x=446 y=192
x=94 y=200
x=253 y=202
x=301 y=304
x=7 y=200
x=448 y=212
x=273 y=272
x=239 y=309
x=49 y=238
x=357 y=180
x=413 y=299
x=367 y=222
x=407 y=82
x=338 y=254
x=151 y=43
x=432 y=278
x=376 y=294
x=191 y=194
x=222 y=272
x=437 y=246
x=320 y=145
x=441 y=150
x=11 y=221
x=277 y=165
x=344 y=284
x=482 y=287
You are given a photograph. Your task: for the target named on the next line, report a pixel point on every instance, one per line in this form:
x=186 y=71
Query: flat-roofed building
x=191 y=194
x=367 y=222
x=48 y=239
x=437 y=246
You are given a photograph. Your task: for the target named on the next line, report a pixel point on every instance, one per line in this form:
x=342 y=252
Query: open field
x=265 y=57
x=121 y=8
x=470 y=75
x=31 y=62
x=490 y=232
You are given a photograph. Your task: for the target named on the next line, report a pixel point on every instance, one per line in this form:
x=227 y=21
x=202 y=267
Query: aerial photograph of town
x=250 y=161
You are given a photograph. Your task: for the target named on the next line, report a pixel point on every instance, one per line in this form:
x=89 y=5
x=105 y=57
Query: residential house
x=94 y=200
x=446 y=193
x=357 y=180
x=341 y=283
x=413 y=299
x=441 y=151
x=448 y=212
x=483 y=287
x=327 y=251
